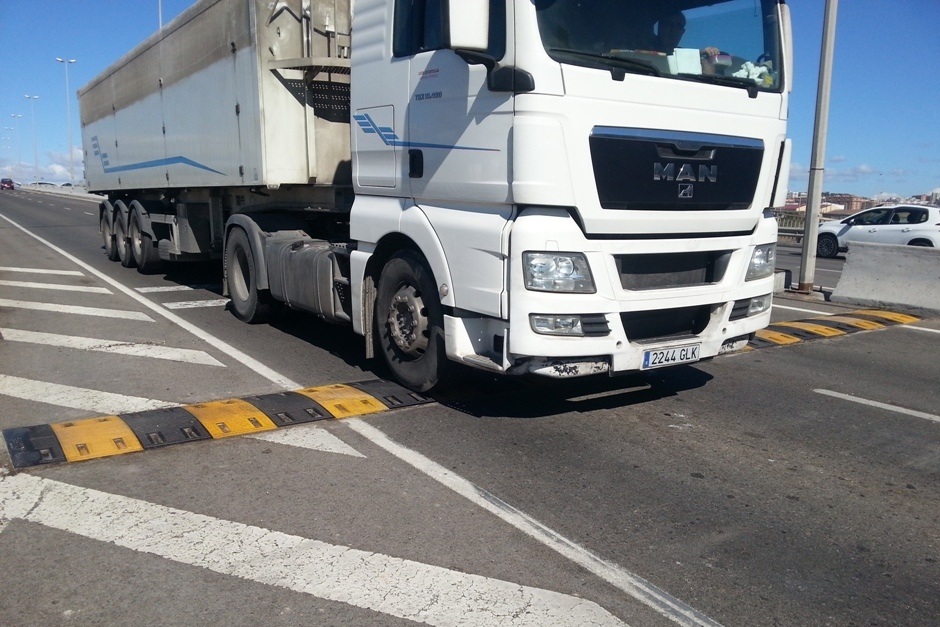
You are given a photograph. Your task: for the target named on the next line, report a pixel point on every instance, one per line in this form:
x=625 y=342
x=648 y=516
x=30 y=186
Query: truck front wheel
x=248 y=302
x=409 y=321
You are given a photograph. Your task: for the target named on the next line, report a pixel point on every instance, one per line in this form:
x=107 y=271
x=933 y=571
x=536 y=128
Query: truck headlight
x=557 y=272
x=762 y=262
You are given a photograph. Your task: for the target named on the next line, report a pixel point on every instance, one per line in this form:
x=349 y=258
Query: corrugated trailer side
x=212 y=100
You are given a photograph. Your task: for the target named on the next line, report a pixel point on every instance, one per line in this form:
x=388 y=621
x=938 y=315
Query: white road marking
x=88 y=213
x=372 y=581
x=184 y=355
x=907 y=326
x=41 y=271
x=57 y=286
x=870 y=403
x=812 y=311
x=75 y=397
x=76 y=309
x=310 y=437
x=195 y=304
x=635 y=586
x=170 y=288
x=632 y=584
x=228 y=349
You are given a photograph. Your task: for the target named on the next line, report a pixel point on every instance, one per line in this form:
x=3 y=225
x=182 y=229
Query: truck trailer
x=520 y=186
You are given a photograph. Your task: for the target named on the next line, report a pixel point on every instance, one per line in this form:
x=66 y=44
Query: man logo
x=685 y=191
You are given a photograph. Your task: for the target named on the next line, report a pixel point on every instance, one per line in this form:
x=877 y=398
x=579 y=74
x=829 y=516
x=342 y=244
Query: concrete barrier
x=882 y=275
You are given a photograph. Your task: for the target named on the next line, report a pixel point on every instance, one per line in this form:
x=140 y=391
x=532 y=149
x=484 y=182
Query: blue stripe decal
x=368 y=125
x=143 y=165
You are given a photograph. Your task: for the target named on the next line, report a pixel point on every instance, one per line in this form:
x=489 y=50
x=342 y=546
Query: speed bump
x=95 y=437
x=795 y=331
x=106 y=436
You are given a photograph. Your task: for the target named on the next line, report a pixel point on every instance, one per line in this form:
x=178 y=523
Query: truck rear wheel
x=107 y=233
x=248 y=302
x=145 y=255
x=120 y=236
x=409 y=322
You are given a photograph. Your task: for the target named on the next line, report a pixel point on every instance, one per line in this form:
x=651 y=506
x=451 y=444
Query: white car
x=912 y=225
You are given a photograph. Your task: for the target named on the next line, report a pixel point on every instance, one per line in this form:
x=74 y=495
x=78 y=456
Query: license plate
x=657 y=358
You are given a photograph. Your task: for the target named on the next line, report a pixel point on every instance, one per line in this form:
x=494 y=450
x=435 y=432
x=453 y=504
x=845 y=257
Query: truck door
x=458 y=130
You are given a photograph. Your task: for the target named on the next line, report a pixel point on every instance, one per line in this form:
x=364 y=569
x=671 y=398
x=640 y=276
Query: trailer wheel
x=145 y=256
x=107 y=233
x=248 y=302
x=120 y=237
x=409 y=322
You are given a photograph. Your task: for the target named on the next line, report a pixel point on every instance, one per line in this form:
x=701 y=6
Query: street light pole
x=68 y=113
x=32 y=106
x=19 y=152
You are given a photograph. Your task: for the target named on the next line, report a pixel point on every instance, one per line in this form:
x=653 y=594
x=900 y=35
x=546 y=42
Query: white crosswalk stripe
x=195 y=304
x=384 y=584
x=75 y=309
x=88 y=289
x=184 y=355
x=41 y=271
x=76 y=397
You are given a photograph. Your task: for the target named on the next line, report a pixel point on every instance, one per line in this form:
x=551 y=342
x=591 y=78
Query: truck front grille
x=665 y=323
x=666 y=270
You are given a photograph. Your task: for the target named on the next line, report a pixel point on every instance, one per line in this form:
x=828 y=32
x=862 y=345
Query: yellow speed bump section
x=774 y=337
x=867 y=325
x=343 y=401
x=889 y=315
x=818 y=329
x=224 y=419
x=95 y=437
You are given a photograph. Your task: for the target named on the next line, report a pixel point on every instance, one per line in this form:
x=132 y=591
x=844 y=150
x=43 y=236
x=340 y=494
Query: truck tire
x=249 y=304
x=121 y=241
x=409 y=322
x=145 y=255
x=107 y=233
x=827 y=246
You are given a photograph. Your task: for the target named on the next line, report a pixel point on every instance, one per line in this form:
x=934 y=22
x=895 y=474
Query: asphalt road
x=792 y=485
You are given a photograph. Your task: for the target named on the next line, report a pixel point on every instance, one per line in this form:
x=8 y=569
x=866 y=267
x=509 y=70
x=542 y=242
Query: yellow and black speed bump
x=796 y=331
x=105 y=436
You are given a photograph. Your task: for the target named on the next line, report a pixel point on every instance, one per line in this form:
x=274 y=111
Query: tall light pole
x=68 y=113
x=19 y=152
x=32 y=106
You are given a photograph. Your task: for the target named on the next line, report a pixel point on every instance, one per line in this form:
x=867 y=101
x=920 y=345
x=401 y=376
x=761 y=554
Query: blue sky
x=884 y=127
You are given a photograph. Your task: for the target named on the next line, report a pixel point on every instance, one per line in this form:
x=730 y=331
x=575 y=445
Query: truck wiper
x=730 y=81
x=618 y=65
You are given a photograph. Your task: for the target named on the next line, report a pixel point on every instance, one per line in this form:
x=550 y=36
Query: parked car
x=6 y=183
x=913 y=225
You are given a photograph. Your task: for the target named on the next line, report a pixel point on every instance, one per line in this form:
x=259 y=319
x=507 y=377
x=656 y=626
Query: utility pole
x=32 y=107
x=68 y=114
x=814 y=194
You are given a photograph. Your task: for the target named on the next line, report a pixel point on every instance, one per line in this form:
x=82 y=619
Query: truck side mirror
x=468 y=24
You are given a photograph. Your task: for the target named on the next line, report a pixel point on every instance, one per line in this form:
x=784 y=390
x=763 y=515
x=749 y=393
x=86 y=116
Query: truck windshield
x=726 y=42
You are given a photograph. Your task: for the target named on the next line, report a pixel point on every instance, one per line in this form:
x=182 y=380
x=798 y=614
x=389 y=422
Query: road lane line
x=76 y=397
x=170 y=288
x=195 y=304
x=907 y=326
x=812 y=311
x=228 y=349
x=380 y=583
x=183 y=355
x=630 y=583
x=76 y=310
x=41 y=271
x=870 y=403
x=309 y=437
x=57 y=286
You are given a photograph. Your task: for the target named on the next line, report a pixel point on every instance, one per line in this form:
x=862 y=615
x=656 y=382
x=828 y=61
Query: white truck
x=522 y=186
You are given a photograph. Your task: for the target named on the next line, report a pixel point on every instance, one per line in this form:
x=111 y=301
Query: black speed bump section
x=106 y=436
